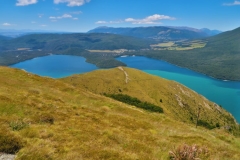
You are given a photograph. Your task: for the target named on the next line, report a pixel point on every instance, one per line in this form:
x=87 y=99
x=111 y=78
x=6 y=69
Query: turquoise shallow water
x=224 y=93
x=56 y=66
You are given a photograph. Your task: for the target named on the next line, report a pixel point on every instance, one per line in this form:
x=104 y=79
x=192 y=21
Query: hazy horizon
x=84 y=15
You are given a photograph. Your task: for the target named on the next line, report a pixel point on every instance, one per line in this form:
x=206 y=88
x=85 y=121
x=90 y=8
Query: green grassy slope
x=43 y=118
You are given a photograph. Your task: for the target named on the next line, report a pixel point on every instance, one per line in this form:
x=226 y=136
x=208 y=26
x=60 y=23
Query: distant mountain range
x=159 y=32
x=4 y=37
x=210 y=32
x=153 y=32
x=13 y=33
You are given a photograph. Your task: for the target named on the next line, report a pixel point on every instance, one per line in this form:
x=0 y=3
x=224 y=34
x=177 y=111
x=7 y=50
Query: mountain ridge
x=45 y=118
x=158 y=32
x=151 y=89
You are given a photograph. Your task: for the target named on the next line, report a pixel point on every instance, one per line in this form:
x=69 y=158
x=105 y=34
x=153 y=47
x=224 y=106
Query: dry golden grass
x=177 y=100
x=67 y=121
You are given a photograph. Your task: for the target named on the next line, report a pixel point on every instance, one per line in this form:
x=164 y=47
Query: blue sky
x=83 y=15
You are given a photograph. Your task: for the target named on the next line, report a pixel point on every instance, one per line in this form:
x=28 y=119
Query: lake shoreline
x=222 y=92
x=229 y=80
x=47 y=54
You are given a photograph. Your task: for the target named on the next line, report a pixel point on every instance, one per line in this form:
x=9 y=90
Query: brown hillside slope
x=177 y=101
x=43 y=118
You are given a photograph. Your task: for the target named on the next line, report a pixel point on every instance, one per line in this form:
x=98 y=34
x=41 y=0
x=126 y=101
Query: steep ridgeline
x=229 y=40
x=44 y=118
x=176 y=100
x=157 y=32
x=210 y=32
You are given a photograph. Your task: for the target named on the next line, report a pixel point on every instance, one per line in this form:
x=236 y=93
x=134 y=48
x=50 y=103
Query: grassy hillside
x=43 y=118
x=176 y=100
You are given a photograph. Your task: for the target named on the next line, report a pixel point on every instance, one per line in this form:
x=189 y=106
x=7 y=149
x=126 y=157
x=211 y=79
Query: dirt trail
x=126 y=75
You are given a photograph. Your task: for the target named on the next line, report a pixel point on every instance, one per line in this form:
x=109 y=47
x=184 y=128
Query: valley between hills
x=117 y=112
x=216 y=56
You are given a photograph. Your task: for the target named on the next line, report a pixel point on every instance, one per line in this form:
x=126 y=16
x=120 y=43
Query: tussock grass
x=186 y=152
x=10 y=142
x=177 y=101
x=87 y=125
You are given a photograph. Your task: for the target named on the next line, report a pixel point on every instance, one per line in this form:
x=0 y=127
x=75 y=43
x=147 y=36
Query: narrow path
x=126 y=75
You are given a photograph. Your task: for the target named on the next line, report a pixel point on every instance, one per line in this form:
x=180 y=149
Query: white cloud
x=25 y=2
x=72 y=3
x=154 y=19
x=76 y=12
x=40 y=15
x=43 y=25
x=111 y=22
x=61 y=17
x=115 y=21
x=101 y=22
x=64 y=16
x=232 y=4
x=33 y=22
x=6 y=24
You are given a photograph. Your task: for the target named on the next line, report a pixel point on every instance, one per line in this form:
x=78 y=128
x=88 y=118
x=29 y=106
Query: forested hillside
x=54 y=42
x=219 y=58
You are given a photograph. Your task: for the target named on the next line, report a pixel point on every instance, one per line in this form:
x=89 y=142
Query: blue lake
x=224 y=93
x=56 y=66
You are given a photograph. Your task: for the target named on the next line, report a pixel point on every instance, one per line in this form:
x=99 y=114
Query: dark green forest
x=135 y=102
x=219 y=58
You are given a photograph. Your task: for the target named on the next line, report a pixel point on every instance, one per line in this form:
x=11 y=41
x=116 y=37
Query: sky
x=84 y=15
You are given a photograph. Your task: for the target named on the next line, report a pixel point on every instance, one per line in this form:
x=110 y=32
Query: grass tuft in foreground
x=9 y=142
x=188 y=152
